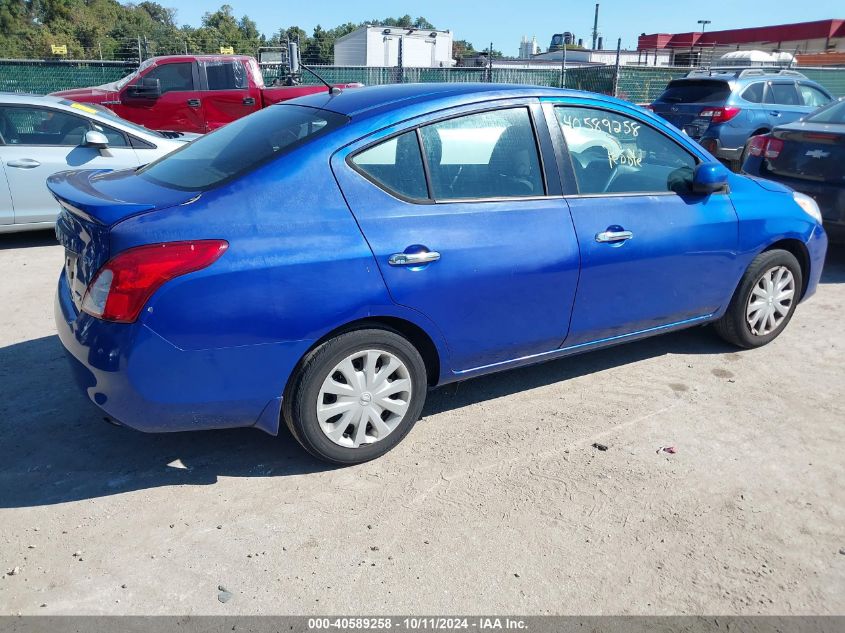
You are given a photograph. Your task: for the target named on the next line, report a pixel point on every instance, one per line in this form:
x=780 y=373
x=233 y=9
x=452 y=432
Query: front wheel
x=356 y=396
x=764 y=302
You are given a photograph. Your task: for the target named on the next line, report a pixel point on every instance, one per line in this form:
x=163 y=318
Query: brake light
x=765 y=145
x=719 y=115
x=124 y=284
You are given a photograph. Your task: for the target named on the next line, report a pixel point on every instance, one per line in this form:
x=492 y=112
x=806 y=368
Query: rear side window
x=228 y=75
x=782 y=94
x=754 y=92
x=177 y=77
x=484 y=155
x=695 y=91
x=395 y=165
x=812 y=96
x=240 y=147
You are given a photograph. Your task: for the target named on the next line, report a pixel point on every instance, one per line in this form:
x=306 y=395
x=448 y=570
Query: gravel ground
x=496 y=501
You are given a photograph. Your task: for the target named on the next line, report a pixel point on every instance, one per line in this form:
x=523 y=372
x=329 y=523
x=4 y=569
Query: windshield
x=120 y=83
x=834 y=113
x=695 y=91
x=240 y=146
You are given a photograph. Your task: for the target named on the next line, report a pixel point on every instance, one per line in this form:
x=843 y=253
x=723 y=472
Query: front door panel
x=28 y=168
x=676 y=266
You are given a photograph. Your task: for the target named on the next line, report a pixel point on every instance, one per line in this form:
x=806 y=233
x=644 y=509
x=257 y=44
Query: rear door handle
x=24 y=163
x=248 y=101
x=613 y=236
x=194 y=103
x=774 y=112
x=413 y=259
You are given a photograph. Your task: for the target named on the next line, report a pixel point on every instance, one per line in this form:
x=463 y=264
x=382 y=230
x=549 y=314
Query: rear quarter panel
x=297 y=268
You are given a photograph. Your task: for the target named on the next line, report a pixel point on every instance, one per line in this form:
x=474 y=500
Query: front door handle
x=774 y=113
x=24 y=163
x=249 y=101
x=413 y=259
x=194 y=103
x=613 y=236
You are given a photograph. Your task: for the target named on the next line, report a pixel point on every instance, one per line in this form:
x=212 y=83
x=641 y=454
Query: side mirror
x=145 y=88
x=709 y=178
x=96 y=140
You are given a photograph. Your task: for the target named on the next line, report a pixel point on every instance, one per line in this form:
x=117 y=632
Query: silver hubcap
x=770 y=300
x=364 y=398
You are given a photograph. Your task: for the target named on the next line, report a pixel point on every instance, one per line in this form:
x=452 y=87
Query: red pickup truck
x=190 y=93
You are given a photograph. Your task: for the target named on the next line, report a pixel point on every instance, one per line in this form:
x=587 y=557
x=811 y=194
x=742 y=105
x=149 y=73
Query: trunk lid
x=810 y=152
x=93 y=201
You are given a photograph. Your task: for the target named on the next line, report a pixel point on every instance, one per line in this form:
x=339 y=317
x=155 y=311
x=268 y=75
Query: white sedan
x=40 y=136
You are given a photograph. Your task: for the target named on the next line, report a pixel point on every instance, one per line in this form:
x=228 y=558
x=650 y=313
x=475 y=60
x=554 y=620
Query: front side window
x=115 y=137
x=177 y=77
x=396 y=165
x=240 y=147
x=812 y=96
x=612 y=153
x=485 y=155
x=225 y=75
x=782 y=94
x=41 y=126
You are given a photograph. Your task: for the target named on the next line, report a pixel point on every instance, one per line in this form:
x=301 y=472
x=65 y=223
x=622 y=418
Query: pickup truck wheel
x=356 y=396
x=764 y=302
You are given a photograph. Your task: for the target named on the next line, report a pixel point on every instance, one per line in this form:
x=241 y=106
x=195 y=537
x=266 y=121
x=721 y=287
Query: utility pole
x=563 y=68
x=596 y=27
x=616 y=67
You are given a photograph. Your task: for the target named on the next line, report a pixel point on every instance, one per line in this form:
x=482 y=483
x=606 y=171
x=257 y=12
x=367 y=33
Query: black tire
x=299 y=405
x=733 y=326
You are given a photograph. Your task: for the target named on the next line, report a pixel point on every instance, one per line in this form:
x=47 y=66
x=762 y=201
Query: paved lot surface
x=496 y=501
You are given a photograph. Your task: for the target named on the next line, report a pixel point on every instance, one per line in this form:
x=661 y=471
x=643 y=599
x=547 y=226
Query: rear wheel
x=764 y=302
x=356 y=396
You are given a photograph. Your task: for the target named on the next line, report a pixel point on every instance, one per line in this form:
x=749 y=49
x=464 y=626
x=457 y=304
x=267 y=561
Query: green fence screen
x=637 y=84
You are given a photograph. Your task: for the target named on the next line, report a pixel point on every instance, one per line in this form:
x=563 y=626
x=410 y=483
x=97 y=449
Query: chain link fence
x=639 y=84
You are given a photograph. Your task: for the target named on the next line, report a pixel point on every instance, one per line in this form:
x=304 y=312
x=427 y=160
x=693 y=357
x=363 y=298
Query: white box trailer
x=381 y=46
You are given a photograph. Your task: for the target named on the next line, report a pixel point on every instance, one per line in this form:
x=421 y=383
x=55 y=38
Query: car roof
x=367 y=102
x=29 y=99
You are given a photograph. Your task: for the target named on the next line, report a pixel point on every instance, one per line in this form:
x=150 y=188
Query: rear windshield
x=240 y=147
x=834 y=113
x=695 y=91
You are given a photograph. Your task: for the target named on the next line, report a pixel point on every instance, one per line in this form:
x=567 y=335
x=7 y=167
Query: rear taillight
x=765 y=145
x=125 y=283
x=719 y=115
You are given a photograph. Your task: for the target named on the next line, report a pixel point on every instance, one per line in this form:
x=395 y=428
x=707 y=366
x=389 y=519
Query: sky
x=504 y=23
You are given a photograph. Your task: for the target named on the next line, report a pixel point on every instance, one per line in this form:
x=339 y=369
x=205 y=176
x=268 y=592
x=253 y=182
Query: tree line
x=108 y=29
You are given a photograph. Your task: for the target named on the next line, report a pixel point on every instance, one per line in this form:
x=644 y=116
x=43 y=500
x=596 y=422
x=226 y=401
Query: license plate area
x=72 y=277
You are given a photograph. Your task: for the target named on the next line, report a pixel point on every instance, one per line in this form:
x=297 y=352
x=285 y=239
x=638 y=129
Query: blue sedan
x=324 y=262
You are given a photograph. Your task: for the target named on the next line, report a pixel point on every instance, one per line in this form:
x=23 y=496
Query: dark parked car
x=809 y=156
x=722 y=109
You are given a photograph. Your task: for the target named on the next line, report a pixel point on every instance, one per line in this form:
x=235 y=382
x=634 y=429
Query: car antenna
x=296 y=65
x=333 y=90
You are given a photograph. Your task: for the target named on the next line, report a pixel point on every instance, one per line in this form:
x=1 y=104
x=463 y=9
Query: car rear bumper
x=144 y=382
x=715 y=147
